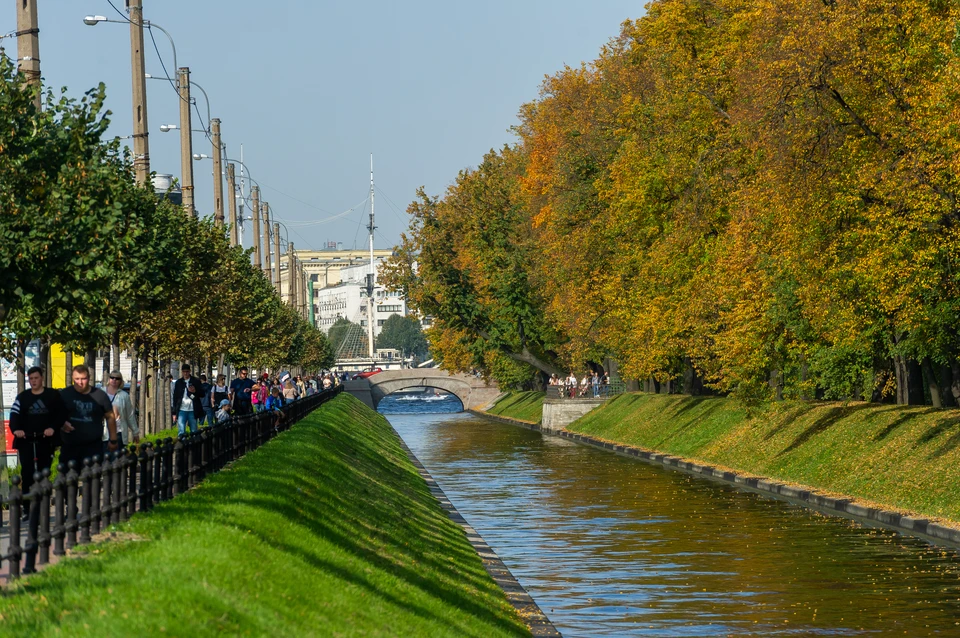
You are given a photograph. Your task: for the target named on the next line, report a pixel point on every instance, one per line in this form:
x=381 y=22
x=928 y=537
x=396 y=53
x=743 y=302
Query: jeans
x=185 y=417
x=208 y=417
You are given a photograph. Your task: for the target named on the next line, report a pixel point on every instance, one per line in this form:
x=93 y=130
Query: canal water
x=612 y=546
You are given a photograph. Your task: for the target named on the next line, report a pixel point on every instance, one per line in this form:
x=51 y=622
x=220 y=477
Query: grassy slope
x=907 y=458
x=327 y=530
x=526 y=406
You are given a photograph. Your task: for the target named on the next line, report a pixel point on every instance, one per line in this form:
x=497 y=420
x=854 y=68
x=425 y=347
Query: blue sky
x=310 y=89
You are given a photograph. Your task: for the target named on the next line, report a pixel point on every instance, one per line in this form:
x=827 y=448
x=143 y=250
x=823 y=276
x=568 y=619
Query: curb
x=528 y=610
x=808 y=497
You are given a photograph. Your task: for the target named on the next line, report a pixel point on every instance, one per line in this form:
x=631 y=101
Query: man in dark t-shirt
x=87 y=408
x=241 y=393
x=35 y=420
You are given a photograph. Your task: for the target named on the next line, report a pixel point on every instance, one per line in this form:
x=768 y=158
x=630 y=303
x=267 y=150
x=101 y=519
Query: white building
x=348 y=299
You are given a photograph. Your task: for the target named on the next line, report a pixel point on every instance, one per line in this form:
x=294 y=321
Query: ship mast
x=371 y=276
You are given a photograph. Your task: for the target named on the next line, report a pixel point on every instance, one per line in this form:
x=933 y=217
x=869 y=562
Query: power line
x=299 y=201
x=163 y=66
x=119 y=12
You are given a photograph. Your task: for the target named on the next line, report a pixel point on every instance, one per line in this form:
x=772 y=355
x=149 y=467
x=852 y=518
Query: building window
x=380 y=322
x=386 y=308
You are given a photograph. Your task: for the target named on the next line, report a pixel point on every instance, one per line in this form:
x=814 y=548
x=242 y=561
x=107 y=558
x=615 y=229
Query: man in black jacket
x=187 y=405
x=35 y=420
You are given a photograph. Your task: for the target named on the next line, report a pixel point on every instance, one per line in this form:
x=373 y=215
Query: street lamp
x=92 y=21
x=192 y=83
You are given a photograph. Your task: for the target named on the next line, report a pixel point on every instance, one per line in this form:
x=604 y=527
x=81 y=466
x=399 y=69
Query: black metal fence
x=82 y=501
x=587 y=391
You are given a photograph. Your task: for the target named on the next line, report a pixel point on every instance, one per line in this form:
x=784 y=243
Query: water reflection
x=429 y=402
x=613 y=546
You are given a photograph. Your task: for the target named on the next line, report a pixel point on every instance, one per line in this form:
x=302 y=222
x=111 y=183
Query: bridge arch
x=472 y=392
x=461 y=389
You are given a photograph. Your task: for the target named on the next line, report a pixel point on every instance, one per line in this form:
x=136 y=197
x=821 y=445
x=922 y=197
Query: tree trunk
x=21 y=364
x=915 y=394
x=946 y=383
x=90 y=360
x=932 y=384
x=115 y=349
x=45 y=361
x=67 y=369
x=955 y=385
x=135 y=390
x=692 y=383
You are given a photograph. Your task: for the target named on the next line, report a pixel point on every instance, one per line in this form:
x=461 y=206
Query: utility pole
x=186 y=143
x=141 y=143
x=217 y=172
x=303 y=291
x=28 y=45
x=265 y=217
x=291 y=276
x=257 y=243
x=276 y=251
x=232 y=203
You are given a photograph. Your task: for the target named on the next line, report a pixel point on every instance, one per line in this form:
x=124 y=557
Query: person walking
x=241 y=391
x=187 y=397
x=206 y=402
x=36 y=416
x=595 y=381
x=127 y=428
x=35 y=420
x=87 y=408
x=289 y=391
x=220 y=390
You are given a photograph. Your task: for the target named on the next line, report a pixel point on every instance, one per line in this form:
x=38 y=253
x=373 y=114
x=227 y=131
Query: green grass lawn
x=901 y=457
x=327 y=530
x=526 y=406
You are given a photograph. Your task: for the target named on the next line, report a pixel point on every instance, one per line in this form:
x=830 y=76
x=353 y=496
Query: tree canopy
x=86 y=253
x=757 y=196
x=404 y=334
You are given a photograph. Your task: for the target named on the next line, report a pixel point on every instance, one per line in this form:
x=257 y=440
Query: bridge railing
x=588 y=391
x=82 y=501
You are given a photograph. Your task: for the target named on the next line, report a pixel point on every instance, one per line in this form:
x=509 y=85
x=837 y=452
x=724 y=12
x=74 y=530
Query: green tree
x=404 y=334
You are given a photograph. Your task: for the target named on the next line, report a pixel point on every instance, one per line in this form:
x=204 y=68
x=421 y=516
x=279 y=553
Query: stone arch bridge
x=472 y=392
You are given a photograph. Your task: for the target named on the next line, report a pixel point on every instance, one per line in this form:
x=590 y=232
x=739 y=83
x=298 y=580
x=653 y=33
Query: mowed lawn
x=898 y=456
x=327 y=530
x=526 y=406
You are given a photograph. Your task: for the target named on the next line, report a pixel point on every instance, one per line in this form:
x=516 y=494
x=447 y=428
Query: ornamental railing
x=82 y=501
x=586 y=391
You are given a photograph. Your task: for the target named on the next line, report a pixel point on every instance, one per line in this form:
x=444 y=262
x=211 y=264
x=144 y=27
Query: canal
x=612 y=546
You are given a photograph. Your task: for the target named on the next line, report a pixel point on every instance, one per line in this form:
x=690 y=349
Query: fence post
x=59 y=502
x=73 y=481
x=95 y=495
x=157 y=460
x=106 y=485
x=132 y=471
x=118 y=486
x=168 y=468
x=142 y=491
x=15 y=553
x=85 y=498
x=178 y=467
x=148 y=473
x=123 y=483
x=46 y=490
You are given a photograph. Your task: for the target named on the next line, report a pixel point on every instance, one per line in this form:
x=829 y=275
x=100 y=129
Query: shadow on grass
x=941 y=428
x=788 y=419
x=900 y=420
x=822 y=424
x=689 y=403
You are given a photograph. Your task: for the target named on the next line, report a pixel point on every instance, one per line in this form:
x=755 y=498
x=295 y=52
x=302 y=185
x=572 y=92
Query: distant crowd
x=590 y=381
